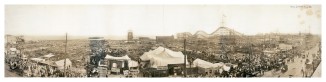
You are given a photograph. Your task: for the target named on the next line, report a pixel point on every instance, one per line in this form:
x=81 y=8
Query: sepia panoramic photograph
x=162 y=41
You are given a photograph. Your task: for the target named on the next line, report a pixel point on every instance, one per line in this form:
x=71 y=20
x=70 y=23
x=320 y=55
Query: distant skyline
x=158 y=20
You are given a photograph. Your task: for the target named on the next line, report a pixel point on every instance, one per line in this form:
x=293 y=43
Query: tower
x=130 y=35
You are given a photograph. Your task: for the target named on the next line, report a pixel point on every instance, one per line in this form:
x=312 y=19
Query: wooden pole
x=65 y=58
x=185 y=59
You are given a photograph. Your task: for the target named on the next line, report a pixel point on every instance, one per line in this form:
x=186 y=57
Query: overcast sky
x=102 y=20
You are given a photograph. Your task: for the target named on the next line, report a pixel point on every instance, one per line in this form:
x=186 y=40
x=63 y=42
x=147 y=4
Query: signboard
x=162 y=68
x=177 y=67
x=115 y=70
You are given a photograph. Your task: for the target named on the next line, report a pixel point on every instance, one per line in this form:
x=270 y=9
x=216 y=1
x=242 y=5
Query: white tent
x=162 y=57
x=226 y=68
x=126 y=57
x=60 y=63
x=50 y=63
x=49 y=55
x=38 y=59
x=219 y=64
x=205 y=64
x=147 y=55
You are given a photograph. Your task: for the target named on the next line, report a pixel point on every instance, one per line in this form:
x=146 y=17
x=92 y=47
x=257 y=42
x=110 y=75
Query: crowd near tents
x=162 y=57
x=61 y=63
x=164 y=60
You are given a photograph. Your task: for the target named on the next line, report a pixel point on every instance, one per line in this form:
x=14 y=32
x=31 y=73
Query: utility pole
x=20 y=41
x=64 y=65
x=185 y=59
x=250 y=52
x=7 y=40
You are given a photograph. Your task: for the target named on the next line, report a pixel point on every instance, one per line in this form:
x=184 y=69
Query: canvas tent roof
x=219 y=64
x=38 y=59
x=50 y=63
x=226 y=68
x=126 y=57
x=60 y=63
x=160 y=52
x=205 y=64
x=49 y=55
x=162 y=57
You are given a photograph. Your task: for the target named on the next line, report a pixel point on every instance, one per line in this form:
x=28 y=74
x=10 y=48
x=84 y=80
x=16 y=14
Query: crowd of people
x=248 y=61
x=251 y=63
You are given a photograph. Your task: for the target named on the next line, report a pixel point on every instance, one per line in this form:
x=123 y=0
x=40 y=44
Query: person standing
x=302 y=72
